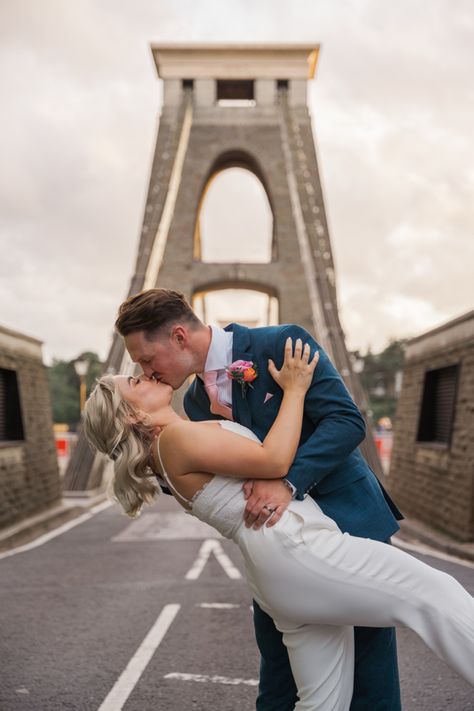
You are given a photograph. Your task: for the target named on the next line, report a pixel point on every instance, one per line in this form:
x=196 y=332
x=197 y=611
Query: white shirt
x=219 y=357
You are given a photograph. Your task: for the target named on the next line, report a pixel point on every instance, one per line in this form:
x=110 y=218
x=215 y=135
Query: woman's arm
x=188 y=447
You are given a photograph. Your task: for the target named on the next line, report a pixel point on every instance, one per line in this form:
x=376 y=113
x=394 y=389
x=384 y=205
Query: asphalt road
x=153 y=614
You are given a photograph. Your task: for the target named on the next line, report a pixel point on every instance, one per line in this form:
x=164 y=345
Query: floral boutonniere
x=243 y=372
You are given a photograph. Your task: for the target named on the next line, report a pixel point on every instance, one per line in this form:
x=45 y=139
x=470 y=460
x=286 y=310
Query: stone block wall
x=29 y=477
x=432 y=482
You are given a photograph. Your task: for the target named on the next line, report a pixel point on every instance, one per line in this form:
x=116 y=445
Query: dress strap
x=167 y=479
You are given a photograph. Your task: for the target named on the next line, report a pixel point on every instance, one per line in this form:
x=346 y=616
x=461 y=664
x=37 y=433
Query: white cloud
x=392 y=106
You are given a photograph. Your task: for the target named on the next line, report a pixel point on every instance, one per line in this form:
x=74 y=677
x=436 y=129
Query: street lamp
x=81 y=367
x=357 y=363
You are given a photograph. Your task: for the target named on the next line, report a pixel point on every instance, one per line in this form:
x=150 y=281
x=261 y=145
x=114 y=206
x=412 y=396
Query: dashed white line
x=41 y=540
x=213 y=679
x=212 y=546
x=126 y=682
x=217 y=605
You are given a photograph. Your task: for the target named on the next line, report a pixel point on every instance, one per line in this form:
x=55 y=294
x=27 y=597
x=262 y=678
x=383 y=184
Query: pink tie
x=217 y=407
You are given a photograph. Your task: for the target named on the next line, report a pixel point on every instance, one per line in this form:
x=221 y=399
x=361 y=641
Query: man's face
x=167 y=358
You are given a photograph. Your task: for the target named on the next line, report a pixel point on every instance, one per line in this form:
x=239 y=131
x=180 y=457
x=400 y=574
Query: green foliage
x=382 y=407
x=95 y=368
x=64 y=387
x=378 y=378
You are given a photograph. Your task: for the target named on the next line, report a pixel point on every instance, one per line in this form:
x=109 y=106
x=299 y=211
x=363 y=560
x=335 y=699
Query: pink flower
x=240 y=365
x=244 y=372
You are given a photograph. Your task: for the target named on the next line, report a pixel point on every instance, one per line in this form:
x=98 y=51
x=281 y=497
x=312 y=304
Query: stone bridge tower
x=245 y=106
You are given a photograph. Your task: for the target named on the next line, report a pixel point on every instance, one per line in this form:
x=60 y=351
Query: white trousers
x=317 y=583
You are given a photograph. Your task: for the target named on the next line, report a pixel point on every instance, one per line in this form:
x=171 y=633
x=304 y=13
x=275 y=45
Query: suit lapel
x=240 y=351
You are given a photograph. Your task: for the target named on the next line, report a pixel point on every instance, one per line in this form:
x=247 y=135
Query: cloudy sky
x=393 y=113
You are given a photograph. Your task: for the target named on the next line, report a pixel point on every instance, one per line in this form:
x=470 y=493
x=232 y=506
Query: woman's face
x=143 y=393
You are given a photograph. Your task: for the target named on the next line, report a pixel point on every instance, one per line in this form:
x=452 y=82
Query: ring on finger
x=265 y=506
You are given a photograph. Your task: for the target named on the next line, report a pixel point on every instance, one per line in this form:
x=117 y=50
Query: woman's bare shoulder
x=177 y=430
x=177 y=434
x=179 y=442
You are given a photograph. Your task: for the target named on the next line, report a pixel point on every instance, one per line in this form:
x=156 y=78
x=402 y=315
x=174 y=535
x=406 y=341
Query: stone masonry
x=269 y=133
x=29 y=478
x=433 y=482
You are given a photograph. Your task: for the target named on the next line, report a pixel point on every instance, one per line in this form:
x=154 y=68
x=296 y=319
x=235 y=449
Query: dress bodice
x=220 y=503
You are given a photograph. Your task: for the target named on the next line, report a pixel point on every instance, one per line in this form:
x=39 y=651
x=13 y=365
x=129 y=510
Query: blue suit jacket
x=328 y=464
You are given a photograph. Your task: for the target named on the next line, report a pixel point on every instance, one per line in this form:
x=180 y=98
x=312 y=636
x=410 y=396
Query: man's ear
x=179 y=335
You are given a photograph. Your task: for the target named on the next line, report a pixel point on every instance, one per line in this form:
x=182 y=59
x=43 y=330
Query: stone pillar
x=205 y=92
x=265 y=92
x=172 y=89
x=298 y=92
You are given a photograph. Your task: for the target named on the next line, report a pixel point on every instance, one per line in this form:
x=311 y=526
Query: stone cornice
x=458 y=330
x=235 y=61
x=19 y=343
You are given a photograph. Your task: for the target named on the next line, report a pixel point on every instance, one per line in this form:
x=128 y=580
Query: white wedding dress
x=317 y=583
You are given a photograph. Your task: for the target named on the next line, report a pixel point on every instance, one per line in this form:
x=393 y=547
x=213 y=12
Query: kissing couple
x=269 y=457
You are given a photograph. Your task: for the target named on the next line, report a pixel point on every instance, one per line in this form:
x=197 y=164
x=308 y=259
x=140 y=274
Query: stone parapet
x=434 y=481
x=29 y=478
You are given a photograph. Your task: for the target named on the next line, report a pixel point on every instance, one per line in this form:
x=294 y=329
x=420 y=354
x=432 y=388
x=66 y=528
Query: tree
x=379 y=376
x=64 y=387
x=94 y=370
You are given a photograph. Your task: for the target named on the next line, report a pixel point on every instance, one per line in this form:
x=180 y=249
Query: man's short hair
x=153 y=310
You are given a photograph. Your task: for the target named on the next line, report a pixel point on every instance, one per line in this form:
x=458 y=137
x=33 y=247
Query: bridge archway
x=235 y=219
x=251 y=304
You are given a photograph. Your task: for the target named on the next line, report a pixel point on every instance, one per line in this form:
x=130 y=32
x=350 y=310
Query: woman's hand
x=297 y=370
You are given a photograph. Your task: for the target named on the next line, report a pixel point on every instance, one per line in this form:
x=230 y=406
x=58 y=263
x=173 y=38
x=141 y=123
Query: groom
x=164 y=336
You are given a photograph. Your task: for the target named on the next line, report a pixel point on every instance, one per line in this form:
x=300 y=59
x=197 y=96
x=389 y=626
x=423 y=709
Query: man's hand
x=266 y=501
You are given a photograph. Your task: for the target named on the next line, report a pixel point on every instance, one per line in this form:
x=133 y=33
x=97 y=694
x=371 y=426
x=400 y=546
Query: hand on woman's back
x=297 y=370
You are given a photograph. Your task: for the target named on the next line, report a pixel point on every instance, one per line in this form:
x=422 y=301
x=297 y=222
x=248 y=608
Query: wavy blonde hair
x=115 y=428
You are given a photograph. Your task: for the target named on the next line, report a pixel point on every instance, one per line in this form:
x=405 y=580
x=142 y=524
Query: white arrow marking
x=211 y=546
x=213 y=679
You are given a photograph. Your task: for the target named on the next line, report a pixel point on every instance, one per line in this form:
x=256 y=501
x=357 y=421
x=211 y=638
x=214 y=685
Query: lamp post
x=357 y=364
x=81 y=367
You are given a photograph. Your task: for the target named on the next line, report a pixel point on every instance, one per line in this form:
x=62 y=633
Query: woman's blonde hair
x=115 y=428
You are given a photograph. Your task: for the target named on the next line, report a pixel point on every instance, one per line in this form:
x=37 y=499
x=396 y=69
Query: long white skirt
x=317 y=583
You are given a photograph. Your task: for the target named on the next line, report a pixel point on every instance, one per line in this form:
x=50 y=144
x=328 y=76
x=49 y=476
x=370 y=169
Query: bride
x=314 y=581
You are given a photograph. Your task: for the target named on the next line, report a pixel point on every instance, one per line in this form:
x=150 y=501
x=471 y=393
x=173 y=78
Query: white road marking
x=123 y=687
x=41 y=540
x=217 y=605
x=212 y=546
x=426 y=550
x=213 y=679
x=165 y=526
